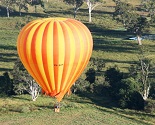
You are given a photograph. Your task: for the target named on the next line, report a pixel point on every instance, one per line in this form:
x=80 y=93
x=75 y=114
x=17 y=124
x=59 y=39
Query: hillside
x=111 y=41
x=111 y=45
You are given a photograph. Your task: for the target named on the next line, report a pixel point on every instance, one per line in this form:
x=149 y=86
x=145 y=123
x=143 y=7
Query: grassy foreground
x=75 y=110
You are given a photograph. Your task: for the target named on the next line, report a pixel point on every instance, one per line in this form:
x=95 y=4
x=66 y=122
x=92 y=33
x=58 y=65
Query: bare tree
x=91 y=5
x=34 y=89
x=144 y=77
x=142 y=72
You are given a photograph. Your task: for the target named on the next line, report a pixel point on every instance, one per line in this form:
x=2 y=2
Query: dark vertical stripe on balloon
x=55 y=52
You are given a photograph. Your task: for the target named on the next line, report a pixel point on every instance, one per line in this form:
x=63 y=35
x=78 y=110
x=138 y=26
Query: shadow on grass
x=52 y=12
x=85 y=11
x=90 y=98
x=8 y=57
x=22 y=98
x=5 y=69
x=118 y=61
x=8 y=47
x=111 y=107
x=3 y=13
x=115 y=48
x=131 y=115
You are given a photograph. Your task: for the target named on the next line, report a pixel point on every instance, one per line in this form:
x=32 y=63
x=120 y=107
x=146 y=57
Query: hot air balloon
x=55 y=51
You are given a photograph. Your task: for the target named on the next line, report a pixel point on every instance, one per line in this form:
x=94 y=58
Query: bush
x=152 y=91
x=80 y=86
x=21 y=79
x=97 y=89
x=129 y=97
x=149 y=106
x=125 y=91
x=6 y=84
x=90 y=75
x=136 y=101
x=19 y=74
x=113 y=76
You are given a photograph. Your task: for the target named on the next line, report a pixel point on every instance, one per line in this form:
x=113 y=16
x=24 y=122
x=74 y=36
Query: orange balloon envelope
x=55 y=51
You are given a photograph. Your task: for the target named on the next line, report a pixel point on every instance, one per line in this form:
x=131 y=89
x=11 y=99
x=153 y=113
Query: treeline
x=23 y=5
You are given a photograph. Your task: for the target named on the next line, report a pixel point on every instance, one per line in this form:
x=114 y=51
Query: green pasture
x=75 y=110
x=111 y=44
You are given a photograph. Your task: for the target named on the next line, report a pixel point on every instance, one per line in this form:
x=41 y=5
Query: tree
x=76 y=4
x=33 y=88
x=90 y=75
x=131 y=20
x=91 y=5
x=8 y=4
x=141 y=72
x=129 y=97
x=113 y=76
x=35 y=3
x=145 y=73
x=22 y=4
x=152 y=90
x=23 y=82
x=124 y=13
x=145 y=65
x=142 y=25
x=149 y=6
x=97 y=64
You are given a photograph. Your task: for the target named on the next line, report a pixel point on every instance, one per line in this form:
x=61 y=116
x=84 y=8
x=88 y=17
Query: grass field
x=111 y=45
x=75 y=110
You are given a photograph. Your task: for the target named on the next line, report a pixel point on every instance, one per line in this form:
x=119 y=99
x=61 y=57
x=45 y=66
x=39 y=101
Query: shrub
x=97 y=64
x=113 y=76
x=22 y=81
x=80 y=86
x=90 y=75
x=19 y=74
x=152 y=91
x=97 y=88
x=129 y=97
x=149 y=106
x=6 y=84
x=136 y=101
